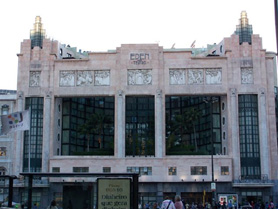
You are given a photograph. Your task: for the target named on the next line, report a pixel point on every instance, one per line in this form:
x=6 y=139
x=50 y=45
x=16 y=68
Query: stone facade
x=148 y=69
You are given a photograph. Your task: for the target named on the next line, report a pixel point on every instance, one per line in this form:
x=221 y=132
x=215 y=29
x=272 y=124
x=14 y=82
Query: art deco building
x=182 y=118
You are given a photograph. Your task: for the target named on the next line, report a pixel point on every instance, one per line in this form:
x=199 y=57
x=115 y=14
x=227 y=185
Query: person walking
x=178 y=202
x=52 y=205
x=167 y=204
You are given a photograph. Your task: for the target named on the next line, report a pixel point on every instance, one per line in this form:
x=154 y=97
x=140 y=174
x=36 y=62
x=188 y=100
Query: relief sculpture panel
x=177 y=76
x=35 y=78
x=67 y=78
x=102 y=78
x=247 y=76
x=195 y=76
x=139 y=77
x=213 y=76
x=84 y=78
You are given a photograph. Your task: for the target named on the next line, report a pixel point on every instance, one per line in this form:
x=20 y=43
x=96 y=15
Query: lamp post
x=212 y=100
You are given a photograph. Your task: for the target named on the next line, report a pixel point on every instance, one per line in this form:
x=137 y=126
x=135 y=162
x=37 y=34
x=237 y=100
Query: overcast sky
x=100 y=25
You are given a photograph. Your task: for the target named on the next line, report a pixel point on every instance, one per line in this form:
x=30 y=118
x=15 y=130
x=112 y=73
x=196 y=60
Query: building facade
x=182 y=118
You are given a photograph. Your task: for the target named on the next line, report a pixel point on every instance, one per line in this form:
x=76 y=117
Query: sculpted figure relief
x=247 y=76
x=139 y=77
x=35 y=78
x=195 y=76
x=84 y=78
x=177 y=76
x=102 y=78
x=213 y=76
x=67 y=78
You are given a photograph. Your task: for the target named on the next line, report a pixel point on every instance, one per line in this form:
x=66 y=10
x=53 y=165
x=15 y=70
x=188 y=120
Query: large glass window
x=192 y=122
x=249 y=136
x=34 y=136
x=88 y=126
x=140 y=126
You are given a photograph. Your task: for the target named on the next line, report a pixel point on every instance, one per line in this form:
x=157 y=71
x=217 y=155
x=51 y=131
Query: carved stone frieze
x=35 y=77
x=139 y=77
x=177 y=76
x=84 y=78
x=195 y=76
x=213 y=76
x=102 y=77
x=67 y=78
x=247 y=76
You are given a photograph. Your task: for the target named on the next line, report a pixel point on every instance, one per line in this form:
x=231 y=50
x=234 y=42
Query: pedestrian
x=178 y=203
x=167 y=204
x=52 y=205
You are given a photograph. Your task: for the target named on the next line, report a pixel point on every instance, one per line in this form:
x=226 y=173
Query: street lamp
x=212 y=100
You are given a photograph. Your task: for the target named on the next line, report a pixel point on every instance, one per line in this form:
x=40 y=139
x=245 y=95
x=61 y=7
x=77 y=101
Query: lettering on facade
x=139 y=58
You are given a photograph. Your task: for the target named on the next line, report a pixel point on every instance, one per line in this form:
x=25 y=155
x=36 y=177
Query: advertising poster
x=113 y=193
x=228 y=198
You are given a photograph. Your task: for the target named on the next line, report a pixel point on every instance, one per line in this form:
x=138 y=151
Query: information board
x=113 y=193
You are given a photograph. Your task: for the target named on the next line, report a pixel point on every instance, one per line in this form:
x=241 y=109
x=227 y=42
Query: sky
x=101 y=25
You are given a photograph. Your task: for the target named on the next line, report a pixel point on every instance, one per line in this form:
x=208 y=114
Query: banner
x=17 y=121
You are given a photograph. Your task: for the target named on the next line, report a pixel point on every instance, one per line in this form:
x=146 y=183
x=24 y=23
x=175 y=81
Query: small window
x=59 y=108
x=3 y=151
x=106 y=169
x=198 y=170
x=223 y=106
x=221 y=49
x=224 y=170
x=58 y=151
x=172 y=171
x=224 y=150
x=223 y=121
x=5 y=109
x=59 y=122
x=144 y=171
x=55 y=169
x=224 y=135
x=58 y=137
x=80 y=169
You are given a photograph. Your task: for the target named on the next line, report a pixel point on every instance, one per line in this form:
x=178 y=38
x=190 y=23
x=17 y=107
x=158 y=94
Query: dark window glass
x=55 y=169
x=34 y=136
x=140 y=126
x=198 y=170
x=192 y=122
x=80 y=169
x=224 y=170
x=88 y=126
x=249 y=136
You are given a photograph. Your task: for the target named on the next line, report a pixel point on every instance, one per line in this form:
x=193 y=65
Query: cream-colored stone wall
x=240 y=69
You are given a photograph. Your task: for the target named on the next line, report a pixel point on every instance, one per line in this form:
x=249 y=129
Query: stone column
x=263 y=133
x=235 y=134
x=158 y=124
x=19 y=139
x=46 y=133
x=120 y=125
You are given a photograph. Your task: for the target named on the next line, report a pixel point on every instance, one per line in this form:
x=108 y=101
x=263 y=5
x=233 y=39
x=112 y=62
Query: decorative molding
x=35 y=77
x=84 y=78
x=262 y=91
x=120 y=93
x=102 y=77
x=159 y=93
x=213 y=76
x=247 y=76
x=195 y=76
x=67 y=78
x=233 y=91
x=20 y=94
x=139 y=77
x=177 y=76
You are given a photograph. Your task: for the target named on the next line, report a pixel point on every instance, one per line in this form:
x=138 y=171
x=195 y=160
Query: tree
x=95 y=124
x=183 y=122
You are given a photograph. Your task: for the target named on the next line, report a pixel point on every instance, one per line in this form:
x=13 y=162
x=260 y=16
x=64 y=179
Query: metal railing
x=263 y=178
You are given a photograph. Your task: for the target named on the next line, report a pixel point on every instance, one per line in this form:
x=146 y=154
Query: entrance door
x=77 y=197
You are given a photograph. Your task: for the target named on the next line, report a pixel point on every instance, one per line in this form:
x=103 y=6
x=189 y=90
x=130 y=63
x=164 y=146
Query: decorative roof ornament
x=37 y=34
x=244 y=30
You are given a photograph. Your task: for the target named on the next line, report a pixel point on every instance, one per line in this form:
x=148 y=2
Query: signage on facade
x=113 y=193
x=229 y=199
x=139 y=58
x=213 y=186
